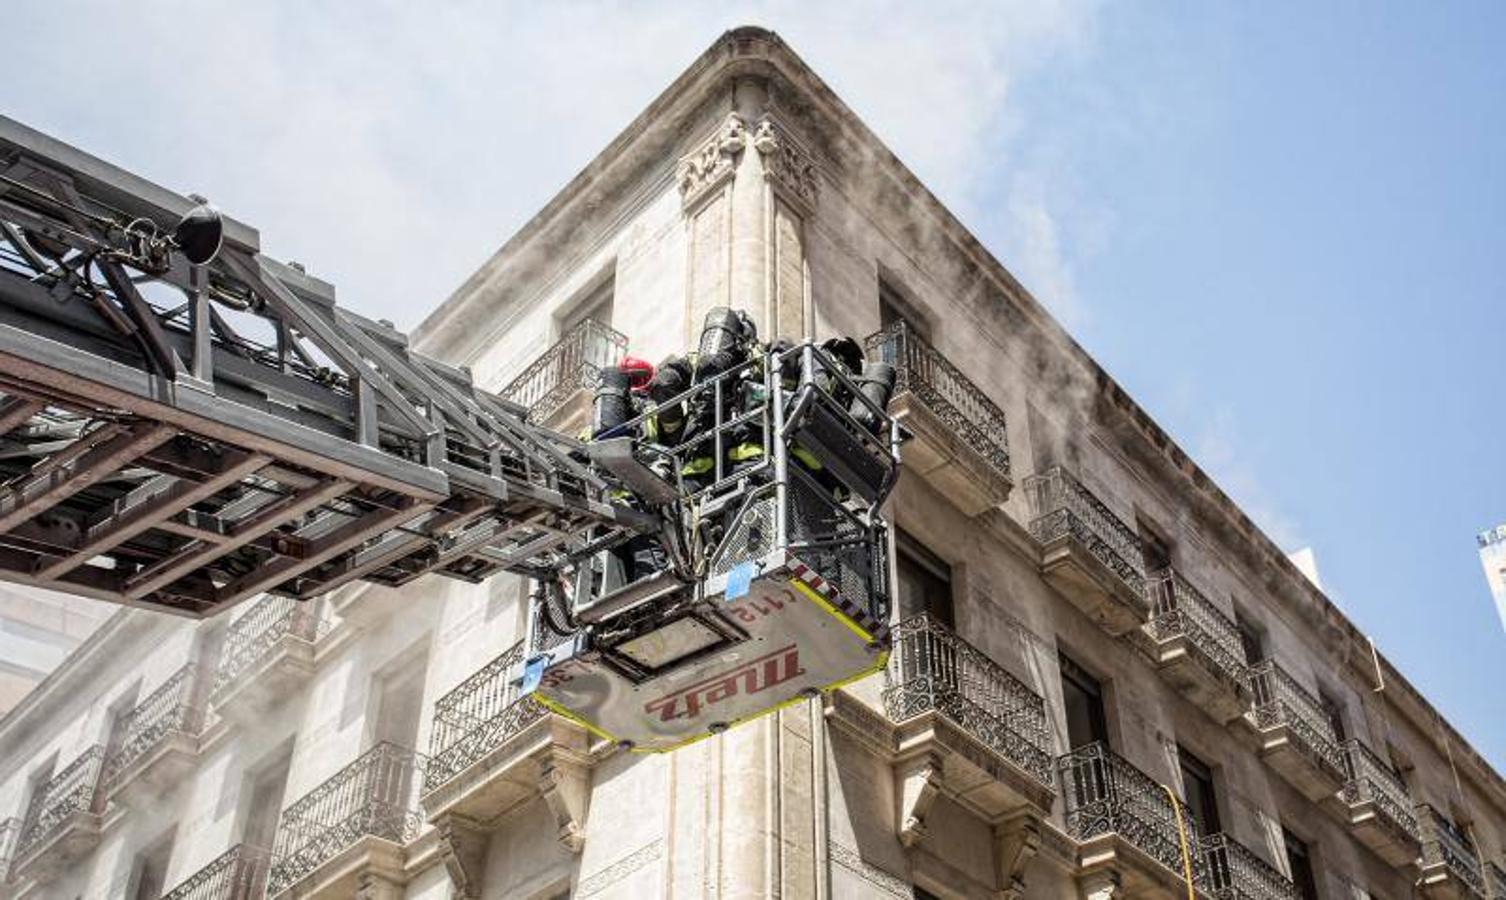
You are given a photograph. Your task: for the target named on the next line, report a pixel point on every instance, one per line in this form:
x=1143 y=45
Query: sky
x=1278 y=225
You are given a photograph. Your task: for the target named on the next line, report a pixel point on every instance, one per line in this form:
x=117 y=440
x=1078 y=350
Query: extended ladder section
x=186 y=423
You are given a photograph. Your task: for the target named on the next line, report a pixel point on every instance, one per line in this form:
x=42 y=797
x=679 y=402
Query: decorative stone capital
x=787 y=165
x=565 y=785
x=918 y=782
x=462 y=846
x=711 y=163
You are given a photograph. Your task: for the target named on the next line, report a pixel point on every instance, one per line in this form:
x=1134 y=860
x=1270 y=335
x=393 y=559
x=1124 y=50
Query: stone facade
x=1057 y=522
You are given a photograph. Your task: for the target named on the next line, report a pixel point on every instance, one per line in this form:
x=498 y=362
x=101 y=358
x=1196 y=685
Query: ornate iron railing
x=572 y=363
x=1064 y=508
x=1181 y=610
x=1371 y=779
x=250 y=637
x=1446 y=844
x=932 y=669
x=173 y=707
x=1280 y=700
x=960 y=405
x=238 y=874
x=375 y=796
x=1236 y=873
x=10 y=835
x=478 y=715
x=1495 y=879
x=73 y=790
x=1106 y=794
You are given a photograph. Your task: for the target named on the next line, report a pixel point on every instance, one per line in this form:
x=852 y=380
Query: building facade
x=1493 y=560
x=1106 y=681
x=38 y=629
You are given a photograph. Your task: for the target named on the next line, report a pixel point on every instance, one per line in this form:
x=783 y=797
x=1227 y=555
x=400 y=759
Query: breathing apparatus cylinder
x=671 y=380
x=611 y=404
x=724 y=336
x=877 y=384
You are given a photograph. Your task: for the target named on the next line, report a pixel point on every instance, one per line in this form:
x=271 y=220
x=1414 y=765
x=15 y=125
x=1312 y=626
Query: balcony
x=954 y=722
x=1495 y=881
x=350 y=830
x=157 y=741
x=63 y=821
x=10 y=833
x=960 y=446
x=238 y=874
x=491 y=751
x=1380 y=811
x=556 y=388
x=1089 y=555
x=1450 y=868
x=1196 y=647
x=268 y=653
x=1237 y=873
x=1295 y=735
x=1126 y=826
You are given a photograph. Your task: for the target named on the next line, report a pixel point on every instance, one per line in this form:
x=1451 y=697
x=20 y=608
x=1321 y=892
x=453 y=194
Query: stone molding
x=602 y=879
x=787 y=165
x=712 y=163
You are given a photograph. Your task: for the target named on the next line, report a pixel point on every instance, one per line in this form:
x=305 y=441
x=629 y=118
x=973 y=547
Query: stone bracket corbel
x=462 y=846
x=1018 y=840
x=917 y=783
x=565 y=785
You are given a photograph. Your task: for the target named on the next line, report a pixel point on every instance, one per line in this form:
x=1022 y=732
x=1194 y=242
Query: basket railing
x=572 y=363
x=1063 y=507
x=1236 y=873
x=1278 y=700
x=932 y=669
x=961 y=405
x=252 y=636
x=10 y=835
x=73 y=790
x=1371 y=779
x=374 y=796
x=239 y=873
x=173 y=707
x=1181 y=610
x=481 y=713
x=1446 y=844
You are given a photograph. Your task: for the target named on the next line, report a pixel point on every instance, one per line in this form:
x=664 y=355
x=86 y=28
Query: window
x=265 y=786
x=1155 y=550
x=925 y=580
x=596 y=305
x=1082 y=695
x=151 y=869
x=1198 y=794
x=1334 y=710
x=399 y=702
x=1250 y=638
x=1300 y=861
x=894 y=309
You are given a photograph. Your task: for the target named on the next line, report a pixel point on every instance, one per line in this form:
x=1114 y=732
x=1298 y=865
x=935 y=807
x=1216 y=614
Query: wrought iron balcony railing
x=1280 y=701
x=1179 y=609
x=1495 y=879
x=253 y=635
x=1064 y=508
x=1445 y=844
x=932 y=669
x=173 y=707
x=238 y=874
x=375 y=796
x=954 y=399
x=10 y=834
x=1236 y=873
x=478 y=715
x=1371 y=779
x=1106 y=794
x=573 y=363
x=73 y=790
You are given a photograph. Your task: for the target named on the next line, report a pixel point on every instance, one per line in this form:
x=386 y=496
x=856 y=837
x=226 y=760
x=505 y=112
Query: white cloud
x=392 y=147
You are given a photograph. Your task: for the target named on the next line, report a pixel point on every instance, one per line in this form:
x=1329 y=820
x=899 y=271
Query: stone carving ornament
x=714 y=160
x=785 y=162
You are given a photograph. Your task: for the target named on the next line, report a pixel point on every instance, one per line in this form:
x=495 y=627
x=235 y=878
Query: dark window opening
x=894 y=309
x=1334 y=710
x=266 y=788
x=1250 y=639
x=1155 y=551
x=1082 y=695
x=597 y=306
x=925 y=581
x=1198 y=793
x=1299 y=859
x=151 y=869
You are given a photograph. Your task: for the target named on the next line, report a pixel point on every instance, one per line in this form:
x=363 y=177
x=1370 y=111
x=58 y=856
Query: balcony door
x=596 y=306
x=1198 y=793
x=1082 y=696
x=925 y=581
x=1300 y=861
x=266 y=787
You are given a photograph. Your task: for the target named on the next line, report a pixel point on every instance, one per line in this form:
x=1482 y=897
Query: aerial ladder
x=186 y=423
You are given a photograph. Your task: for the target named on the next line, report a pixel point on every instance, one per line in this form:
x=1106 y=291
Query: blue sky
x=1279 y=225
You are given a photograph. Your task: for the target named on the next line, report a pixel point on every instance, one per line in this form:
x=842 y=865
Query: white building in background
x=1493 y=559
x=38 y=629
x=1096 y=652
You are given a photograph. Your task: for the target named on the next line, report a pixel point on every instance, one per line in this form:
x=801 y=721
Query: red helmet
x=639 y=372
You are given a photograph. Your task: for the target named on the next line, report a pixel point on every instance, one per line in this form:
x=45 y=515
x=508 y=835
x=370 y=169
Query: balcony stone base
x=1092 y=587
x=288 y=664
x=1438 y=882
x=143 y=782
x=72 y=840
x=1110 y=867
x=1198 y=679
x=550 y=758
x=930 y=755
x=1377 y=831
x=1289 y=756
x=952 y=467
x=372 y=869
